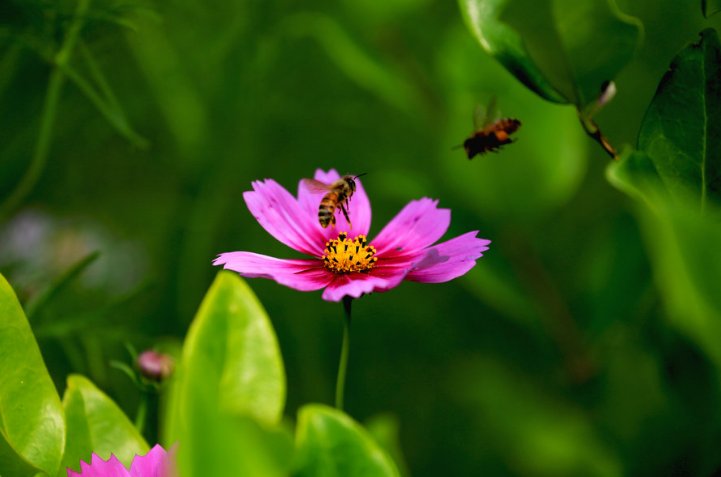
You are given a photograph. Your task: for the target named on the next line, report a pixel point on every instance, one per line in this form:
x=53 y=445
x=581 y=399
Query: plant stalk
x=592 y=129
x=140 y=415
x=343 y=366
x=49 y=112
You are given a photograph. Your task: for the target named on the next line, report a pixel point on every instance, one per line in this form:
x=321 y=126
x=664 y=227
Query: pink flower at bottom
x=156 y=463
x=344 y=262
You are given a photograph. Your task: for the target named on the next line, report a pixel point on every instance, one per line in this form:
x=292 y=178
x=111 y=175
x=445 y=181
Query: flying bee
x=491 y=133
x=337 y=196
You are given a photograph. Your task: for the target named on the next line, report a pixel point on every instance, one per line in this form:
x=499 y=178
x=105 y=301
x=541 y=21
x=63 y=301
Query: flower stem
x=142 y=412
x=343 y=366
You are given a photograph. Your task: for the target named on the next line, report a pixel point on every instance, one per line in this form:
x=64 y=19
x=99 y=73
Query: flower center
x=345 y=256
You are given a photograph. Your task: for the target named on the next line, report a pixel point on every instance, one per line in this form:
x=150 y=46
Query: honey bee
x=492 y=133
x=337 y=196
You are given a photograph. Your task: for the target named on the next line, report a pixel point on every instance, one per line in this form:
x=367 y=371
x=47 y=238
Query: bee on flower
x=343 y=261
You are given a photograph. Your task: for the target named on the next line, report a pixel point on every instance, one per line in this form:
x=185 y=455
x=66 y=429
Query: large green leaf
x=681 y=240
x=505 y=44
x=95 y=424
x=12 y=463
x=710 y=7
x=636 y=175
x=683 y=244
x=31 y=415
x=385 y=430
x=681 y=132
x=219 y=445
x=331 y=444
x=230 y=389
x=232 y=351
x=577 y=46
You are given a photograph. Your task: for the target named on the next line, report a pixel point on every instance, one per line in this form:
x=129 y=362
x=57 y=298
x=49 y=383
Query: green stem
x=142 y=412
x=592 y=129
x=343 y=366
x=57 y=78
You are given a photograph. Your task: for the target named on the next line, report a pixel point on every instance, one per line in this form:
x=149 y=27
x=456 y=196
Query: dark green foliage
x=680 y=132
x=710 y=7
x=557 y=46
x=583 y=343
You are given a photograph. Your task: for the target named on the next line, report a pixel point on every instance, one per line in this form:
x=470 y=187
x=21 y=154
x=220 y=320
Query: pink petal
x=420 y=224
x=101 y=468
x=156 y=463
x=279 y=213
x=359 y=213
x=356 y=284
x=303 y=275
x=449 y=260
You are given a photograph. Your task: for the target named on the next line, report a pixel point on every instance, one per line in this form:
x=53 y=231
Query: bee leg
x=345 y=214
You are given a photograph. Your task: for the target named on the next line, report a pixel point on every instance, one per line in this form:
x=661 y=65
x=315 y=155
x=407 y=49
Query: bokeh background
x=551 y=357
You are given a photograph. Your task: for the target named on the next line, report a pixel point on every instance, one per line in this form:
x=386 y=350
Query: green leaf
x=681 y=132
x=95 y=424
x=577 y=46
x=683 y=244
x=385 y=430
x=230 y=377
x=12 y=463
x=504 y=44
x=216 y=444
x=679 y=238
x=710 y=7
x=31 y=415
x=331 y=444
x=635 y=174
x=232 y=352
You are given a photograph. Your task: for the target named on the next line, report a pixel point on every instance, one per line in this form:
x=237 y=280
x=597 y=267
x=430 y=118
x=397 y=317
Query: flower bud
x=608 y=91
x=155 y=365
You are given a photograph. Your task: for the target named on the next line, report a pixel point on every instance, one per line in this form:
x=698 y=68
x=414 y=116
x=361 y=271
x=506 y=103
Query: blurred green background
x=551 y=357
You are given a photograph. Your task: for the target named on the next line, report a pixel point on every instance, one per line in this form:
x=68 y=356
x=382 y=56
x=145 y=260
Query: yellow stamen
x=345 y=256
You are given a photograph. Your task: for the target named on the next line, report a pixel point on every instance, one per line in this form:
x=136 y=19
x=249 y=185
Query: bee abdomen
x=327 y=209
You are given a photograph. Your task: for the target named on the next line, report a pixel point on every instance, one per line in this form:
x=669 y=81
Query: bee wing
x=493 y=114
x=479 y=117
x=316 y=186
x=484 y=116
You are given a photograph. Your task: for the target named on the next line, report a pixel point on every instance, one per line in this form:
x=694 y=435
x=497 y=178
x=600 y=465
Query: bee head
x=351 y=180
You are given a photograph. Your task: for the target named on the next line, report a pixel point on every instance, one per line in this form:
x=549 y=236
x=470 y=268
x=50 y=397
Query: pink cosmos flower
x=156 y=463
x=344 y=262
